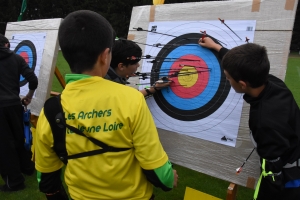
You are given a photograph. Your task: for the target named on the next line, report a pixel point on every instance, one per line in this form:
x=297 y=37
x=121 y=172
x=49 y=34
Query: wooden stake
x=231 y=192
x=33 y=118
x=60 y=77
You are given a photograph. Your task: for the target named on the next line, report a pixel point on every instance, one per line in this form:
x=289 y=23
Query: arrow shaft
x=232 y=30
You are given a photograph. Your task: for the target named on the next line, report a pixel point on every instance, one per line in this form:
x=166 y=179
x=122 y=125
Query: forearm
x=158 y=85
x=222 y=52
x=27 y=99
x=217 y=47
x=51 y=185
x=274 y=169
x=270 y=151
x=33 y=84
x=30 y=94
x=271 y=181
x=151 y=91
x=162 y=177
x=29 y=75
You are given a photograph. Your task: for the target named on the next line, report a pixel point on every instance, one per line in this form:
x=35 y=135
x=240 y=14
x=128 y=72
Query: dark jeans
x=14 y=158
x=269 y=191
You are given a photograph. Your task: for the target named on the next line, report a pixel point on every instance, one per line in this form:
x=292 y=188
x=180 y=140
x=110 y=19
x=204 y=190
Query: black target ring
x=202 y=111
x=27 y=50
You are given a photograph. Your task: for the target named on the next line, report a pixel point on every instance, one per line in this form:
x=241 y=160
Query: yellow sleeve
x=148 y=149
x=46 y=159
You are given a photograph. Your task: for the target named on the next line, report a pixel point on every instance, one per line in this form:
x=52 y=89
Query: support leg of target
x=59 y=77
x=231 y=192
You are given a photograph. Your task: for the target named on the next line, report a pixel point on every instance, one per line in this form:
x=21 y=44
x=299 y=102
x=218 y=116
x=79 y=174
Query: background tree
x=9 y=12
x=117 y=12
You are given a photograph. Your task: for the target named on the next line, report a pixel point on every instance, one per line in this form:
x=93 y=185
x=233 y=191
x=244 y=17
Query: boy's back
x=274 y=118
x=105 y=111
x=105 y=117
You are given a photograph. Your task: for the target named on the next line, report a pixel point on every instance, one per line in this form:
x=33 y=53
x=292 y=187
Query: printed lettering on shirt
x=105 y=127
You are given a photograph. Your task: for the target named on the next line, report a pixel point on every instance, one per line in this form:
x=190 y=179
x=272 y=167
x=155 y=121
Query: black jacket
x=11 y=67
x=112 y=76
x=274 y=121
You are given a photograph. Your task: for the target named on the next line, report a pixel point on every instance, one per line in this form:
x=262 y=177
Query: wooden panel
x=34 y=25
x=49 y=57
x=271 y=16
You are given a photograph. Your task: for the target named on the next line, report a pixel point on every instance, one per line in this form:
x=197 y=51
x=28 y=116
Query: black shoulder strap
x=54 y=114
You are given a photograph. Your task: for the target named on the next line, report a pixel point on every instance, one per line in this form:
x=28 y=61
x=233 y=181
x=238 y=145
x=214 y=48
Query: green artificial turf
x=31 y=192
x=188 y=177
x=292 y=78
x=64 y=69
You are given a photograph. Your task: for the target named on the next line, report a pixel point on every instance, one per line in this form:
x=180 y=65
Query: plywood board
x=274 y=25
x=49 y=27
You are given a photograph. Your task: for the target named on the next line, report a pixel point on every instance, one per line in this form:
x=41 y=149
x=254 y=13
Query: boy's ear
x=243 y=84
x=104 y=57
x=120 y=66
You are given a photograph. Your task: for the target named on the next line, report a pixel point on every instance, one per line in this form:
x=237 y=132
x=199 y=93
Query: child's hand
x=175 y=178
x=209 y=43
x=26 y=100
x=162 y=83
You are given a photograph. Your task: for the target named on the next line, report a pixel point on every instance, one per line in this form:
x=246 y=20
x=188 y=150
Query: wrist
x=53 y=193
x=152 y=89
x=217 y=47
x=56 y=196
x=149 y=93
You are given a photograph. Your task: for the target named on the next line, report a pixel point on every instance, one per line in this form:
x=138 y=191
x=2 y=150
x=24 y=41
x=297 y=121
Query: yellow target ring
x=188 y=76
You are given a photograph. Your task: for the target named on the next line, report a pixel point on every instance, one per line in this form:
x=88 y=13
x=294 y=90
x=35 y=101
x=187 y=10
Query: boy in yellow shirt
x=96 y=107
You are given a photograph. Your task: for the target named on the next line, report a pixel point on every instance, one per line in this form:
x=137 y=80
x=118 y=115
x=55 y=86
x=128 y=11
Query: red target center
x=191 y=76
x=25 y=56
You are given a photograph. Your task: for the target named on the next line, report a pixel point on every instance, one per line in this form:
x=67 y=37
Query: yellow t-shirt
x=116 y=115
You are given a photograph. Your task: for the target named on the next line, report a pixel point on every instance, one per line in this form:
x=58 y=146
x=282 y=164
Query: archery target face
x=200 y=101
x=27 y=50
x=30 y=47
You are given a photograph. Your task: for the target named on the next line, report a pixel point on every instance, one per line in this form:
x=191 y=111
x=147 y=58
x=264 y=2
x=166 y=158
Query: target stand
x=37 y=42
x=272 y=30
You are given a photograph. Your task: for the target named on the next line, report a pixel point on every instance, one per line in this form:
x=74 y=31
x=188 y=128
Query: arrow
x=223 y=22
x=238 y=170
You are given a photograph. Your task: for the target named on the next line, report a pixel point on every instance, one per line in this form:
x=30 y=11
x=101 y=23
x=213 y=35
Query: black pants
x=14 y=158
x=269 y=191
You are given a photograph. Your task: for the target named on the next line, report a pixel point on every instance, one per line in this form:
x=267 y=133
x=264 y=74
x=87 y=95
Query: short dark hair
x=3 y=40
x=126 y=52
x=83 y=35
x=249 y=63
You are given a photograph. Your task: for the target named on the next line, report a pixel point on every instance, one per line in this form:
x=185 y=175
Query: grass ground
x=190 y=178
x=292 y=78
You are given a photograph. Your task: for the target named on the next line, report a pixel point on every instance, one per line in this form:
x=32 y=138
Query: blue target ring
x=27 y=50
x=208 y=101
x=213 y=83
